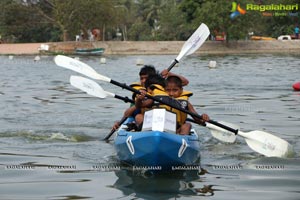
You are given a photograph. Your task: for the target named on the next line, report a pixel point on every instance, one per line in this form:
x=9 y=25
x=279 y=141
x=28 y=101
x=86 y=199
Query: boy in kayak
x=145 y=72
x=175 y=91
x=172 y=93
x=155 y=84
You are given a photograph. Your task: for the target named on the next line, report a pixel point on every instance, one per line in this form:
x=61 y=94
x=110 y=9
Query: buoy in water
x=139 y=61
x=37 y=58
x=296 y=86
x=212 y=64
x=10 y=57
x=103 y=60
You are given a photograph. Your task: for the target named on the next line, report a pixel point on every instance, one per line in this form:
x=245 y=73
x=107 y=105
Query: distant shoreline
x=156 y=47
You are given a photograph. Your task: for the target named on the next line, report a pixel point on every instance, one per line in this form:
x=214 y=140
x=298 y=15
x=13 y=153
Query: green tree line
x=139 y=20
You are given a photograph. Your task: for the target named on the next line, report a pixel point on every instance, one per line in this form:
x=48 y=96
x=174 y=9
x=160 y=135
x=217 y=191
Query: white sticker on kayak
x=130 y=145
x=182 y=149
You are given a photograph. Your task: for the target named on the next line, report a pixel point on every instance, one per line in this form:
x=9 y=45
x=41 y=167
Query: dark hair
x=176 y=80
x=148 y=70
x=155 y=79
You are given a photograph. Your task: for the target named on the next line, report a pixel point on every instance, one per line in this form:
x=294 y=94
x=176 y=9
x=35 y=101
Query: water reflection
x=145 y=185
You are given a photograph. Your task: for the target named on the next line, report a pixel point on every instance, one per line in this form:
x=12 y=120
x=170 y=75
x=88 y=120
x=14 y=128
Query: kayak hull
x=156 y=149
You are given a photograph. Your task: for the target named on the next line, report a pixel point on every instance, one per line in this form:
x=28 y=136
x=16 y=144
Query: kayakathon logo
x=278 y=10
x=236 y=10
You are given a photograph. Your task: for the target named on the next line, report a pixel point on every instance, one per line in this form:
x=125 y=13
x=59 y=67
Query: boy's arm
x=144 y=104
x=128 y=112
x=141 y=102
x=165 y=73
x=204 y=117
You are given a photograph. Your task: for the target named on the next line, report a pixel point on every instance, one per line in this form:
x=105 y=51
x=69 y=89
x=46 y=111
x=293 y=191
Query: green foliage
x=140 y=31
x=189 y=7
x=216 y=15
x=72 y=17
x=53 y=20
x=21 y=24
x=282 y=25
x=169 y=28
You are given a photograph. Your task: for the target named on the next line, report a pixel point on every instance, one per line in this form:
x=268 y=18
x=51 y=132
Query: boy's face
x=173 y=90
x=143 y=79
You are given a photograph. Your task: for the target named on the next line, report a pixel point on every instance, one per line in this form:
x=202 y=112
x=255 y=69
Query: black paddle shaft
x=124 y=86
x=113 y=130
x=173 y=64
x=126 y=100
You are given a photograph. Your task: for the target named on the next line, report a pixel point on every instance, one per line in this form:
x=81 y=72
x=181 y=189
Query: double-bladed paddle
x=80 y=67
x=260 y=141
x=192 y=44
x=94 y=89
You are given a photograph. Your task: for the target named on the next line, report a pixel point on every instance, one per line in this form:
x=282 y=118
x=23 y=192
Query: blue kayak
x=157 y=150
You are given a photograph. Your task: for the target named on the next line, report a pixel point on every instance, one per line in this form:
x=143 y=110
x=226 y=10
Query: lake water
x=50 y=132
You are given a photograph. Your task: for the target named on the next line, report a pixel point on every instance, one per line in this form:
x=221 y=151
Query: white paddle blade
x=195 y=41
x=88 y=86
x=267 y=144
x=78 y=66
x=221 y=134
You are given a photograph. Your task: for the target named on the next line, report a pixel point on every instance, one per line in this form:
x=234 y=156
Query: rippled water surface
x=55 y=129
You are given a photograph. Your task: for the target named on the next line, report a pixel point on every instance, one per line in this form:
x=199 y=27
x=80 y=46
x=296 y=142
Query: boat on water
x=157 y=150
x=89 y=51
x=261 y=38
